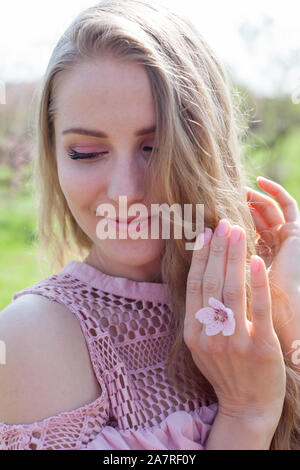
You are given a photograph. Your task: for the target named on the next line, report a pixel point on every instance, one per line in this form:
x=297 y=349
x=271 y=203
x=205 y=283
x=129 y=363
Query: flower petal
x=216 y=303
x=205 y=314
x=213 y=328
x=229 y=327
x=229 y=312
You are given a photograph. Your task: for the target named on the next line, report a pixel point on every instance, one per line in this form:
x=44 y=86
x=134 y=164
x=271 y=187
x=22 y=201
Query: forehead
x=105 y=87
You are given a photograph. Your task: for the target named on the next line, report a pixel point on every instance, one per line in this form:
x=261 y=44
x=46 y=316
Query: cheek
x=70 y=185
x=79 y=185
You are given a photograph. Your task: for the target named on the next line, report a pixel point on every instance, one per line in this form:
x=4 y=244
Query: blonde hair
x=197 y=156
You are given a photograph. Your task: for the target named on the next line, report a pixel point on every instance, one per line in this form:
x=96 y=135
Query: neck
x=143 y=273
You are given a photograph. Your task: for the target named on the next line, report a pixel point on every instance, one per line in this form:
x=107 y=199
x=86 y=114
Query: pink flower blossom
x=216 y=318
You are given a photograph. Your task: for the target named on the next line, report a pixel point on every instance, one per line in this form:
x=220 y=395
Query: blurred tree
x=17 y=133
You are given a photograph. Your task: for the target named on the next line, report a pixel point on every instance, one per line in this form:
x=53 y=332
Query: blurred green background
x=271 y=148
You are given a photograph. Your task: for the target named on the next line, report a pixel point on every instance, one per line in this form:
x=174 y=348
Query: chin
x=133 y=252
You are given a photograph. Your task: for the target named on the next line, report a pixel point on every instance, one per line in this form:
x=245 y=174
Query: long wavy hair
x=197 y=156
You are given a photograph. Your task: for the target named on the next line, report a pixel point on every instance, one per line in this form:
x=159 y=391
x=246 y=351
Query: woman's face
x=112 y=97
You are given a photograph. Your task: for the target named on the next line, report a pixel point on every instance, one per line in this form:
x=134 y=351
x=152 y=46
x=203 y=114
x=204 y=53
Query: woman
x=127 y=321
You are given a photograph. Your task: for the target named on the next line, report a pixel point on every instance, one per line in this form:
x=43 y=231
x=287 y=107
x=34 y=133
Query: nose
x=126 y=179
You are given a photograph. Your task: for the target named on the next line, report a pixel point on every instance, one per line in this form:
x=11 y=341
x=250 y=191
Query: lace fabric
x=128 y=329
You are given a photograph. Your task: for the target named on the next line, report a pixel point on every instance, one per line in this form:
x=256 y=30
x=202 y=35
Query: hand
x=279 y=245
x=246 y=369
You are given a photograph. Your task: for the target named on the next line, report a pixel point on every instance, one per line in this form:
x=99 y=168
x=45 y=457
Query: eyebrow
x=80 y=130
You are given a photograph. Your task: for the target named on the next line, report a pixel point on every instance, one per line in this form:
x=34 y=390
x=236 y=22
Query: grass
x=19 y=267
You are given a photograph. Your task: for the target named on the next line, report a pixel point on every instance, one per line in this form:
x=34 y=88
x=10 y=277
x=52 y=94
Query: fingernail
x=255 y=265
x=222 y=228
x=236 y=234
x=262 y=178
x=207 y=235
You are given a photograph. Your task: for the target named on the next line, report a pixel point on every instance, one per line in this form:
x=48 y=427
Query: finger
x=260 y=298
x=290 y=229
x=266 y=206
x=287 y=202
x=262 y=227
x=234 y=285
x=194 y=299
x=260 y=221
x=215 y=270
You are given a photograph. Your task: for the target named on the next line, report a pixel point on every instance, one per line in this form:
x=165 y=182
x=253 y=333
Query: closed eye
x=89 y=156
x=81 y=156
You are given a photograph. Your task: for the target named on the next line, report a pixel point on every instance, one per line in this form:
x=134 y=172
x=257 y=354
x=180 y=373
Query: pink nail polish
x=222 y=228
x=236 y=234
x=262 y=179
x=207 y=235
x=255 y=265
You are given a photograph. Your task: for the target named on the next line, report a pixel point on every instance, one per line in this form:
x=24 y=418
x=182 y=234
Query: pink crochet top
x=128 y=332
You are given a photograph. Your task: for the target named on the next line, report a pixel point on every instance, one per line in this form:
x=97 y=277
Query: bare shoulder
x=47 y=361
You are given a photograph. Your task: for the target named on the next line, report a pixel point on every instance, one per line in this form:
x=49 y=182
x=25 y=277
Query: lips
x=127 y=226
x=129 y=219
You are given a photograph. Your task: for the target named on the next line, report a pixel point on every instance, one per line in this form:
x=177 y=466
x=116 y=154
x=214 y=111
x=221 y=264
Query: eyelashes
x=89 y=156
x=81 y=156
